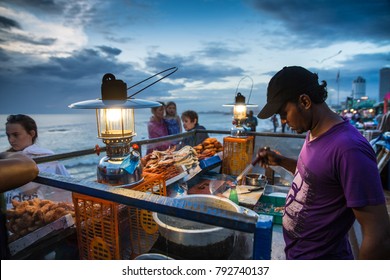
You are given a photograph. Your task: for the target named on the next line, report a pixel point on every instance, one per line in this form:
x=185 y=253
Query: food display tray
x=29 y=239
x=271 y=205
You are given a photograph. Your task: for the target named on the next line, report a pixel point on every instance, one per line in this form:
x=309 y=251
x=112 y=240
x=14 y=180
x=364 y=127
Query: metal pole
x=338 y=90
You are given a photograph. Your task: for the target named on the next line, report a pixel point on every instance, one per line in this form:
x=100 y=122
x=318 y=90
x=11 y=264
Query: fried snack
x=28 y=216
x=44 y=202
x=208 y=148
x=198 y=147
x=217 y=145
x=209 y=141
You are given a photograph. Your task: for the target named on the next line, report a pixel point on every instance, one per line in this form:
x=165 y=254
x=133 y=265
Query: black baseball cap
x=288 y=83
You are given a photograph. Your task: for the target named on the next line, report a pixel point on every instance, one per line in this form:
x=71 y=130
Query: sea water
x=63 y=133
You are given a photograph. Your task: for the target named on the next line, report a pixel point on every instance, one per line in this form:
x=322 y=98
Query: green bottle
x=233 y=196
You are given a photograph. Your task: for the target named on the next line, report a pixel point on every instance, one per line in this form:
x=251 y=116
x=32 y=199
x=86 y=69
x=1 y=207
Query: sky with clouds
x=55 y=52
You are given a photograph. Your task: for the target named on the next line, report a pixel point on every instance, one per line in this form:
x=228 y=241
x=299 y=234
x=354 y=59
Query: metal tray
x=269 y=189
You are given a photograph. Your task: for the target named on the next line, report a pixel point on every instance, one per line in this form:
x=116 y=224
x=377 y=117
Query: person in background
x=172 y=119
x=190 y=122
x=275 y=122
x=384 y=125
x=22 y=134
x=284 y=124
x=251 y=121
x=378 y=119
x=157 y=128
x=15 y=170
x=359 y=124
x=336 y=178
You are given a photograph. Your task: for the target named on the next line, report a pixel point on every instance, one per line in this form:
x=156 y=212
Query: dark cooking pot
x=255 y=179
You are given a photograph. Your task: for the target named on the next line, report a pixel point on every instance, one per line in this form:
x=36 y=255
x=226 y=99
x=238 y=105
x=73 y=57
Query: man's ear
x=304 y=101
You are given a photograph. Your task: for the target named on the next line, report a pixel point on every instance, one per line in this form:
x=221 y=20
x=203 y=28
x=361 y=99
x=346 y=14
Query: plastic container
x=204 y=163
x=233 y=196
x=107 y=230
x=237 y=154
x=153 y=256
x=269 y=189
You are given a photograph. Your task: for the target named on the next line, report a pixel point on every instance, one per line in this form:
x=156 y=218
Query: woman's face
x=159 y=113
x=18 y=137
x=187 y=123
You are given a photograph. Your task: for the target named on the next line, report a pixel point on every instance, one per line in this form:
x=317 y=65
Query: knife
x=251 y=190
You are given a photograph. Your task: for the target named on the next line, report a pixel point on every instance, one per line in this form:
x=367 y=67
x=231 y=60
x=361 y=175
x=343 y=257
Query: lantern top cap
x=239 y=100
x=114 y=95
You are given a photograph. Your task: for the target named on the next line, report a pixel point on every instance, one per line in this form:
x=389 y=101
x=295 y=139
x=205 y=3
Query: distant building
x=358 y=88
x=384 y=83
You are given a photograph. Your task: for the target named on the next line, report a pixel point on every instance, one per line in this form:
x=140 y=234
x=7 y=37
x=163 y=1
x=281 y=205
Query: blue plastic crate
x=204 y=163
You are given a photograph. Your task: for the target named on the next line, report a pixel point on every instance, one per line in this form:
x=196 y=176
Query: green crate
x=267 y=204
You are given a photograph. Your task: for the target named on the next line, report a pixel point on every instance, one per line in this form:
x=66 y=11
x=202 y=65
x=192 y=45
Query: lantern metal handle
x=174 y=69
x=250 y=93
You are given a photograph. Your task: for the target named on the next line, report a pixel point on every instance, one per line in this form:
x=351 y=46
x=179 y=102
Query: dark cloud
x=217 y=50
x=330 y=21
x=74 y=12
x=52 y=86
x=7 y=23
x=122 y=40
x=47 y=6
x=109 y=50
x=78 y=65
x=192 y=70
x=28 y=38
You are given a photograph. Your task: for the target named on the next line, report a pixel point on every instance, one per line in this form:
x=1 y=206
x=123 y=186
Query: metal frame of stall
x=260 y=226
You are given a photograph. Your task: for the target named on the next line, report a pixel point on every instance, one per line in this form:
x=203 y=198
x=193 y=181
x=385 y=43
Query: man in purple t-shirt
x=336 y=179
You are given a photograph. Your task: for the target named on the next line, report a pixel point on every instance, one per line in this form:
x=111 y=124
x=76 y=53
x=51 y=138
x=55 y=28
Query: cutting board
x=200 y=188
x=248 y=199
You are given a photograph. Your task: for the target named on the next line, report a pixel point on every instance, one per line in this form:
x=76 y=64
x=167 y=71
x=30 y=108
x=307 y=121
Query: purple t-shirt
x=335 y=172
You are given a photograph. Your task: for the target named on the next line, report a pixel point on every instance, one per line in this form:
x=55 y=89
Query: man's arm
x=269 y=157
x=16 y=170
x=375 y=224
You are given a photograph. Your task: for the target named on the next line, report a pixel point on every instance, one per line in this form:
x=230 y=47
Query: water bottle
x=233 y=196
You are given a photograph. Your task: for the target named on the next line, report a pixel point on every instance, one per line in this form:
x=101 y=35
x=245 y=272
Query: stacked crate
x=109 y=230
x=237 y=154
